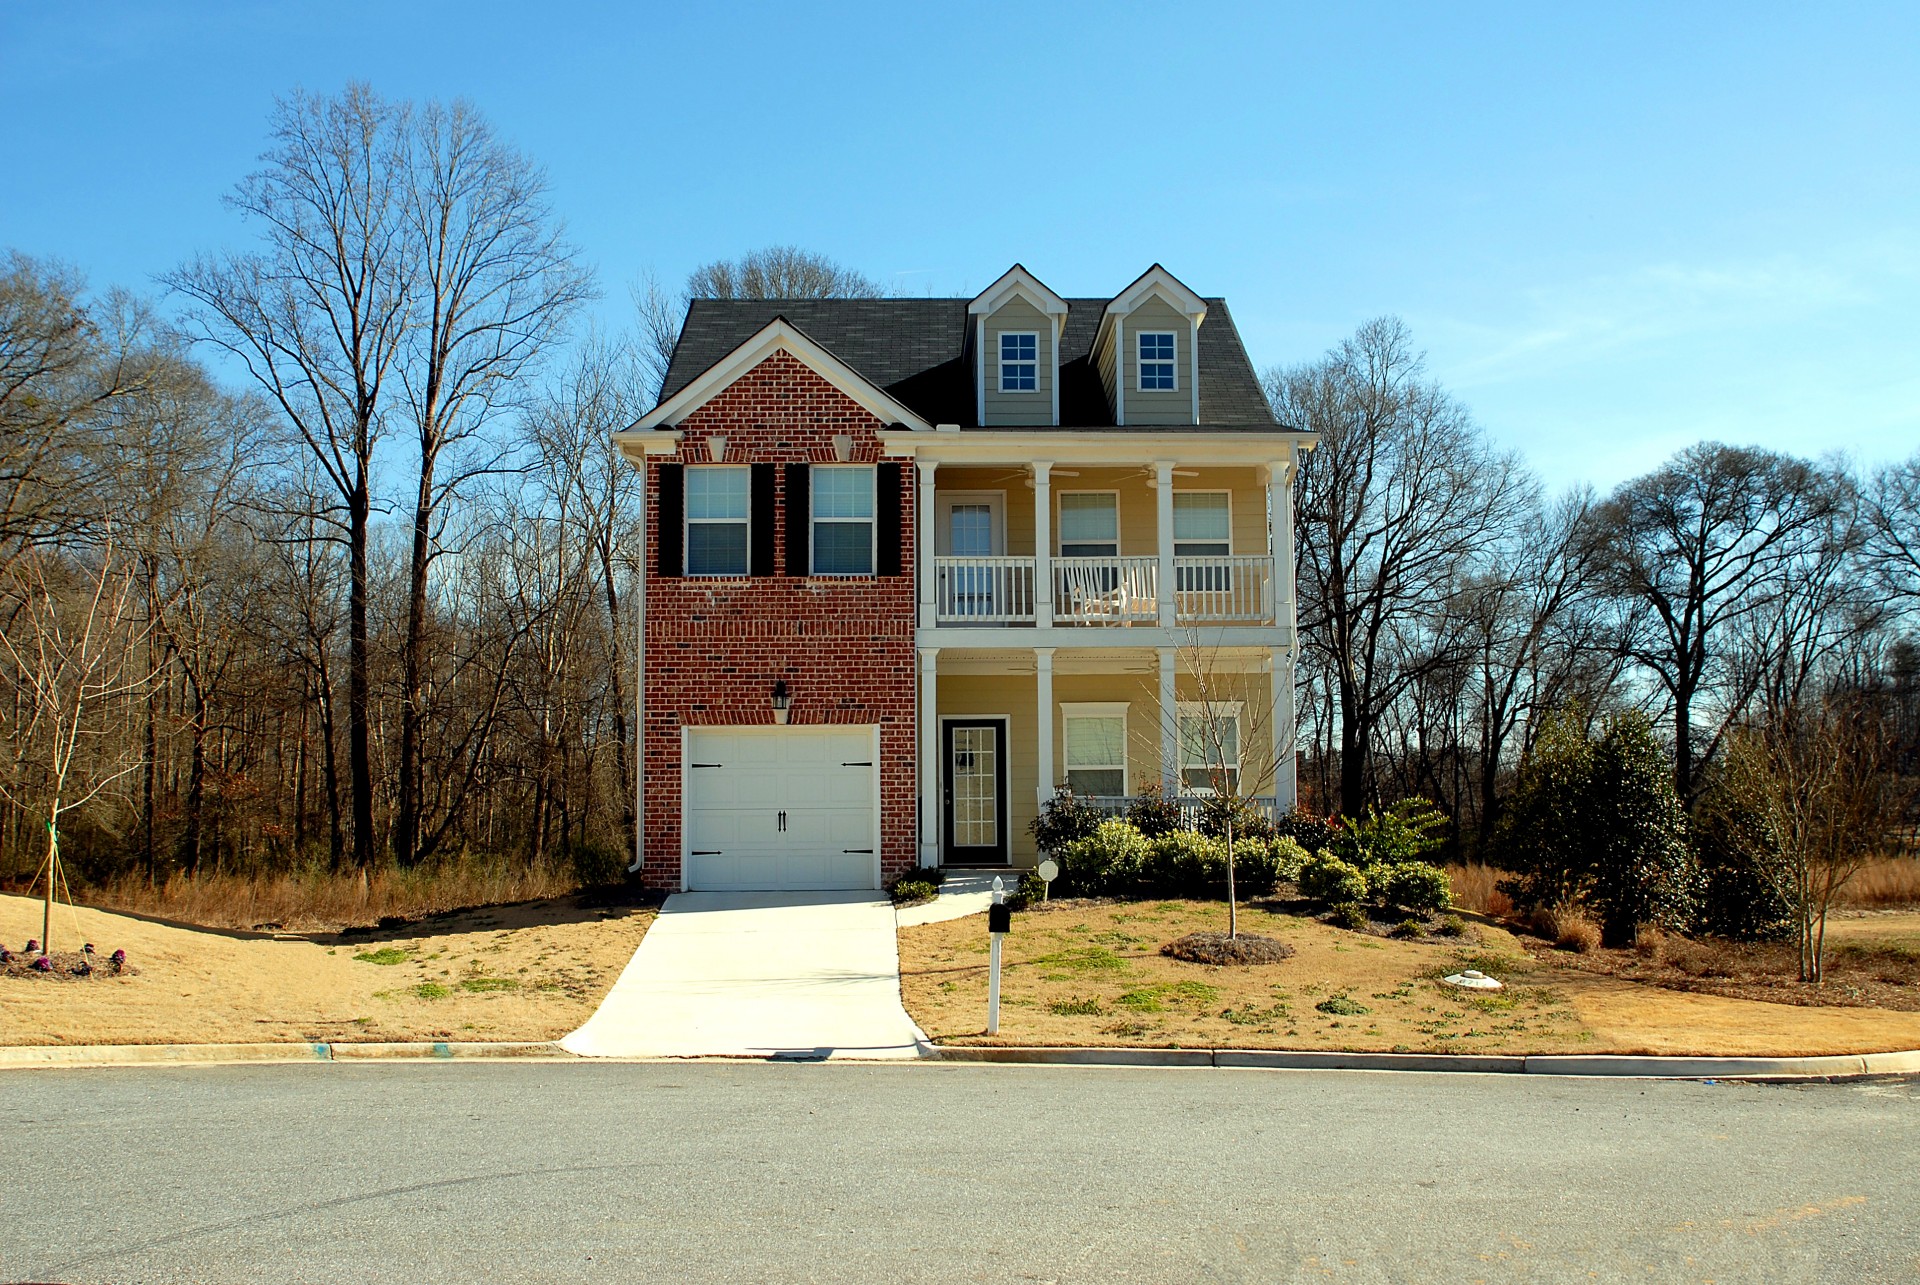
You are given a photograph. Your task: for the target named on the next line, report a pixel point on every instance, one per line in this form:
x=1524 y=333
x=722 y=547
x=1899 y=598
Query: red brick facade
x=715 y=646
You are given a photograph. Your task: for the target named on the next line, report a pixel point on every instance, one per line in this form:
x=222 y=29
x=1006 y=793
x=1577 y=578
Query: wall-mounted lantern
x=781 y=700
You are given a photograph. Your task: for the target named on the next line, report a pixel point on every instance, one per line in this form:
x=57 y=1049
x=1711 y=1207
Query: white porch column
x=1043 y=696
x=1169 y=726
x=1280 y=544
x=1043 y=555
x=1163 y=487
x=1286 y=788
x=924 y=542
x=929 y=756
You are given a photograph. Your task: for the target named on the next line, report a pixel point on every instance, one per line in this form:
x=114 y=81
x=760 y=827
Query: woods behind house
x=334 y=566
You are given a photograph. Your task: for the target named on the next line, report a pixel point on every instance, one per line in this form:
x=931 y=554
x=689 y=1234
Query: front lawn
x=1084 y=973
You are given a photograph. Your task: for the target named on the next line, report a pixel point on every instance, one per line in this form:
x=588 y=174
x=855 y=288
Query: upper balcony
x=1103 y=591
x=1165 y=545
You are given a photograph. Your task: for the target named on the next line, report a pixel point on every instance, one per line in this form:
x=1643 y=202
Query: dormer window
x=1156 y=362
x=1019 y=362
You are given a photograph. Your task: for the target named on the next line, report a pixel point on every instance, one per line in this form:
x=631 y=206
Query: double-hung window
x=1203 y=528
x=1096 y=744
x=1089 y=524
x=1210 y=745
x=842 y=519
x=717 y=520
x=1156 y=362
x=1019 y=362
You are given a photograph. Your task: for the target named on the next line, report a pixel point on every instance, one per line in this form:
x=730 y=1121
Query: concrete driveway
x=759 y=974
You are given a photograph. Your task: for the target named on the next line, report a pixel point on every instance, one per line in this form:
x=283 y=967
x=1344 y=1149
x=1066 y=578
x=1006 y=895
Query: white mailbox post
x=999 y=919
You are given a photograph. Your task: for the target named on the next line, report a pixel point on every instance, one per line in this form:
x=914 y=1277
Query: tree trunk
x=623 y=760
x=406 y=829
x=359 y=688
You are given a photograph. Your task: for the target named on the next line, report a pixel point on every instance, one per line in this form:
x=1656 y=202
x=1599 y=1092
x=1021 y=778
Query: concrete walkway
x=962 y=893
x=759 y=974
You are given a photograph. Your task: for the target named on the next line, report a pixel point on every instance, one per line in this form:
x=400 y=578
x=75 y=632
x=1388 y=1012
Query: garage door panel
x=821 y=780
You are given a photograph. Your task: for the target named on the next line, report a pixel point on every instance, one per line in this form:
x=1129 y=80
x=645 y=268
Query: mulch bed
x=1858 y=975
x=1218 y=948
x=68 y=966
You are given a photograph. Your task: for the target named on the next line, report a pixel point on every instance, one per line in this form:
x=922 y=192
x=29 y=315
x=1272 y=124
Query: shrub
x=1153 y=813
x=596 y=865
x=1287 y=856
x=1351 y=915
x=1182 y=863
x=1107 y=861
x=1255 y=869
x=1404 y=832
x=1737 y=900
x=1248 y=822
x=1063 y=819
x=1031 y=890
x=1572 y=930
x=1452 y=926
x=1414 y=885
x=1408 y=928
x=1329 y=879
x=910 y=890
x=1309 y=831
x=1595 y=821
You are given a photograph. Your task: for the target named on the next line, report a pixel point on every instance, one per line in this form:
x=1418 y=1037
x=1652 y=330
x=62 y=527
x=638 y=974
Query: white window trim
x=999 y=343
x=1059 y=508
x=1198 y=709
x=814 y=521
x=687 y=522
x=1096 y=709
x=1208 y=491
x=1139 y=362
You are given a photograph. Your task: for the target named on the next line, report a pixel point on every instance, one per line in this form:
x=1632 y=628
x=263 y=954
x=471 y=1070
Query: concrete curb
x=1847 y=1066
x=215 y=1054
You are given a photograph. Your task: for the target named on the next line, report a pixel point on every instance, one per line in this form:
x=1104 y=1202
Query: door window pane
x=974 y=778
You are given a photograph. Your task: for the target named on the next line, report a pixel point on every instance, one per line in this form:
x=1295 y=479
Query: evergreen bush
x=1062 y=819
x=1327 y=878
x=1104 y=863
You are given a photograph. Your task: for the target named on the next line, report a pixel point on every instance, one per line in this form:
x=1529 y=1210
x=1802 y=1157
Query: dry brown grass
x=1473 y=889
x=1892 y=881
x=532 y=971
x=327 y=901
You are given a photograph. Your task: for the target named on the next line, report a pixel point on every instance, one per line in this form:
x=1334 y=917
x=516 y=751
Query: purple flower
x=87 y=949
x=85 y=969
x=33 y=944
x=6 y=956
x=43 y=964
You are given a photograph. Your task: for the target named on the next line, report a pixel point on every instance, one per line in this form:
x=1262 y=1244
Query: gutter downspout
x=640 y=685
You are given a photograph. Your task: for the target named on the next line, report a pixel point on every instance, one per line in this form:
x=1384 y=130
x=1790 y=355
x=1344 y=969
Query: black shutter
x=799 y=500
x=672 y=516
x=887 y=534
x=760 y=557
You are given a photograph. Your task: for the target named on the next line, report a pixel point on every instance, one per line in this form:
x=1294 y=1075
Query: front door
x=974 y=771
x=970 y=527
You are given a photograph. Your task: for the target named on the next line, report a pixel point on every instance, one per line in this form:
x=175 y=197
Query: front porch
x=1003 y=729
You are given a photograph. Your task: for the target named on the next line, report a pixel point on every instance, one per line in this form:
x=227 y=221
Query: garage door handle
x=868 y=763
x=706 y=765
x=868 y=851
x=707 y=852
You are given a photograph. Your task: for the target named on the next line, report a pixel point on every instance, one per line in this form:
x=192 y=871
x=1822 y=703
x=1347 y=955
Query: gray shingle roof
x=916 y=349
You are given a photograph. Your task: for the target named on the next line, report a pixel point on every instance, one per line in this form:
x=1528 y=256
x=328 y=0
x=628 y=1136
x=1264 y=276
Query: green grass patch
x=385 y=955
x=1341 y=1006
x=482 y=985
x=430 y=990
x=1153 y=999
x=1076 y=1007
x=1081 y=959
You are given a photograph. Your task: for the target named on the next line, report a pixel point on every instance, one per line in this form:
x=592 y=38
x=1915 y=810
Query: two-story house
x=914 y=564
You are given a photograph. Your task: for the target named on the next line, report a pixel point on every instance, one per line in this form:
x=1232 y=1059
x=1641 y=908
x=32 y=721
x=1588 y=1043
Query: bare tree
x=492 y=283
x=1398 y=500
x=1691 y=549
x=73 y=655
x=1891 y=513
x=319 y=318
x=1815 y=778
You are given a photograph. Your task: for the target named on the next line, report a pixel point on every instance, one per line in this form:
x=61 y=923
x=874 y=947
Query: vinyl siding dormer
x=1159 y=306
x=1017 y=321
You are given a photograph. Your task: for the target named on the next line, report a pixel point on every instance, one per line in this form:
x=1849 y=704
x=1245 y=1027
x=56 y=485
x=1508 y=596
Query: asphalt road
x=755 y=1172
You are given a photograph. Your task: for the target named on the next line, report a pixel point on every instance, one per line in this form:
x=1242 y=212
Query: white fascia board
x=780 y=336
x=1018 y=281
x=636 y=444
x=1154 y=281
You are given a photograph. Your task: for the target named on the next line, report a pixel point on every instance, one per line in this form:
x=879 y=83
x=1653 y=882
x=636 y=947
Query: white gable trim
x=779 y=335
x=1154 y=281
x=1018 y=281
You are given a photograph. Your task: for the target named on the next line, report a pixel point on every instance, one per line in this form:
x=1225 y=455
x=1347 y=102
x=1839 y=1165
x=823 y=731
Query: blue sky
x=1614 y=232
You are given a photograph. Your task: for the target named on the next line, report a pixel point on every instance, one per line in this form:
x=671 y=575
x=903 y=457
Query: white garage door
x=782 y=808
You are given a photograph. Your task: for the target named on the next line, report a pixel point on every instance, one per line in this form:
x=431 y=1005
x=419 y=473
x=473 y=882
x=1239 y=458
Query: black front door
x=973 y=779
